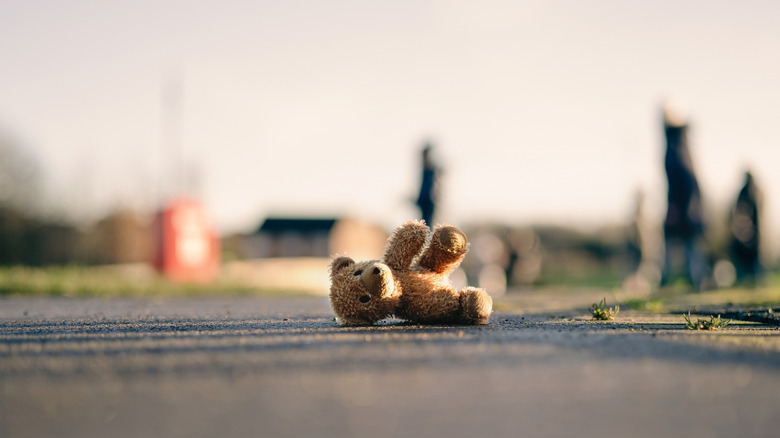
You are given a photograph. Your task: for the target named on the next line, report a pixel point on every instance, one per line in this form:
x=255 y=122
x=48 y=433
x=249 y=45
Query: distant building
x=315 y=237
x=124 y=236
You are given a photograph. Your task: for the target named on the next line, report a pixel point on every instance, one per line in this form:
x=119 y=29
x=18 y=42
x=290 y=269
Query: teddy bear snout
x=377 y=280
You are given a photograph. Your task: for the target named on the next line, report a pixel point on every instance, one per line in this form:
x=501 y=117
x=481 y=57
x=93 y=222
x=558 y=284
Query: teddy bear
x=410 y=282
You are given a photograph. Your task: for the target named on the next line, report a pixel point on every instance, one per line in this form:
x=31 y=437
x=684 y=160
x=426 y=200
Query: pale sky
x=542 y=111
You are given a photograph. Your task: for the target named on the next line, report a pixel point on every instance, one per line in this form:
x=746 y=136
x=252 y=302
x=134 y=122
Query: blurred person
x=642 y=265
x=634 y=240
x=683 y=225
x=428 y=196
x=525 y=257
x=744 y=228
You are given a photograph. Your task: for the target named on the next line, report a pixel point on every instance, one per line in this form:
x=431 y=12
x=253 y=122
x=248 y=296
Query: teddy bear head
x=362 y=293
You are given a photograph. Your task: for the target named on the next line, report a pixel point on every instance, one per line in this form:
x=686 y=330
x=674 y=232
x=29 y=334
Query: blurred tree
x=20 y=177
x=19 y=185
x=25 y=237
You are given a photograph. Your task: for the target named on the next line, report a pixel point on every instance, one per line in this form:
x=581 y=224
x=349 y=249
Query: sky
x=540 y=111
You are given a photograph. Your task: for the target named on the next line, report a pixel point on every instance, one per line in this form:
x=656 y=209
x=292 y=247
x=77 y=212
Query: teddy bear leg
x=476 y=304
x=435 y=307
x=446 y=250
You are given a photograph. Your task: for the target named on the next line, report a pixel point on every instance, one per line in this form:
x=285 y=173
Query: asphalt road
x=283 y=367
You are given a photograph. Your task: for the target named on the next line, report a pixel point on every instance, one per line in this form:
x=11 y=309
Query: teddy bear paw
x=452 y=239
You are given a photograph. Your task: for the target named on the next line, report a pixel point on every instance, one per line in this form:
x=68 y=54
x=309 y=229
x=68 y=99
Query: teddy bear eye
x=358 y=272
x=365 y=298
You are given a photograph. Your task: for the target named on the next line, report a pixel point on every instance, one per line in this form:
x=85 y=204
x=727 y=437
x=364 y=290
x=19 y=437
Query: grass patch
x=714 y=323
x=112 y=281
x=647 y=305
x=677 y=298
x=601 y=312
x=768 y=296
x=590 y=277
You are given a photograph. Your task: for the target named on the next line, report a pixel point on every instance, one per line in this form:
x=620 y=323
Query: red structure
x=187 y=247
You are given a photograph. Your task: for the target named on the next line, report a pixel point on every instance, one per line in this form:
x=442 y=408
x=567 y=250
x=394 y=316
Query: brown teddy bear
x=407 y=284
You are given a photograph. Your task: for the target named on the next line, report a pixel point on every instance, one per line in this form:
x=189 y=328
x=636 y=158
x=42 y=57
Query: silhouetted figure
x=745 y=232
x=683 y=225
x=427 y=198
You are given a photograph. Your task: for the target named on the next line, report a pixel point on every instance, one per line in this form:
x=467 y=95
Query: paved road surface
x=282 y=367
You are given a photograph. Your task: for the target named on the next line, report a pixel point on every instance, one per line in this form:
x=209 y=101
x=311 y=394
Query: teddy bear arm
x=405 y=244
x=447 y=248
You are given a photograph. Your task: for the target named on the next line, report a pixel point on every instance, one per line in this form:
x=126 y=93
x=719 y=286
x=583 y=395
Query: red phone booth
x=187 y=247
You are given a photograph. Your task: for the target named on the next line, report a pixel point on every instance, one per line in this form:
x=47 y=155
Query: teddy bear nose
x=375 y=279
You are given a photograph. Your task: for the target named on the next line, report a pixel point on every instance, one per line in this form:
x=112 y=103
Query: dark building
x=315 y=237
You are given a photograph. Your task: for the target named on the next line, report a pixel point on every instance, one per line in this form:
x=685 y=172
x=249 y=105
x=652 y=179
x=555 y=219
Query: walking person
x=684 y=224
x=745 y=235
x=428 y=196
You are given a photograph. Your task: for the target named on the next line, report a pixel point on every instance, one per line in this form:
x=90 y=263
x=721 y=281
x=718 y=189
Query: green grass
x=682 y=298
x=703 y=324
x=73 y=281
x=672 y=299
x=601 y=312
x=591 y=277
x=647 y=305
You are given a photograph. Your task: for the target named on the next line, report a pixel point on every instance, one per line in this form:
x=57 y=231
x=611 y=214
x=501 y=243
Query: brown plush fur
x=408 y=284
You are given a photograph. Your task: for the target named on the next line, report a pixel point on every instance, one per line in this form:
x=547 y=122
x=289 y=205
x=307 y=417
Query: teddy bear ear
x=338 y=263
